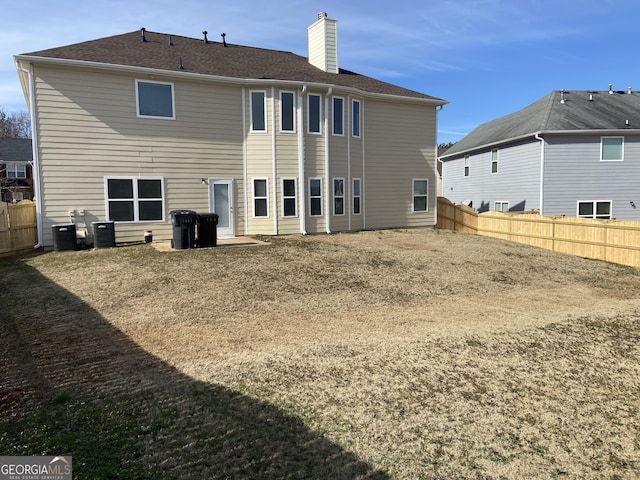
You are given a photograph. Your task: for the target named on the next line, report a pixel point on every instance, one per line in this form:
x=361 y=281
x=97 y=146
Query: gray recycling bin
x=104 y=234
x=64 y=237
x=184 y=228
x=208 y=230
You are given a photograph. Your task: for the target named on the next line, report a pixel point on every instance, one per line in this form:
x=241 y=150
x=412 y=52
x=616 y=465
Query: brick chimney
x=323 y=43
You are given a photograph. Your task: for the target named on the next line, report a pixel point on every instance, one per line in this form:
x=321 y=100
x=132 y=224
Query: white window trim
x=333 y=184
x=595 y=205
x=295 y=197
x=602 y=148
x=266 y=197
x=319 y=132
x=359 y=123
x=173 y=100
x=264 y=109
x=354 y=180
x=413 y=195
x=467 y=166
x=16 y=168
x=333 y=119
x=316 y=196
x=293 y=94
x=501 y=203
x=496 y=161
x=135 y=199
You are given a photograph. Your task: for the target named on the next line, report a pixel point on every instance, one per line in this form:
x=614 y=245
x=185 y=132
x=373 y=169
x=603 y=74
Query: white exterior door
x=221 y=202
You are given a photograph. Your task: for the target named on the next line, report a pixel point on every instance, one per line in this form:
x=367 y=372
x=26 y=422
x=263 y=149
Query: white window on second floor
x=155 y=100
x=338 y=116
x=16 y=170
x=287 y=112
x=612 y=149
x=314 y=113
x=258 y=111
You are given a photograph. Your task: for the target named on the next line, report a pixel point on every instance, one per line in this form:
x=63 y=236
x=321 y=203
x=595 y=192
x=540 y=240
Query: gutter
x=34 y=149
x=326 y=161
x=302 y=205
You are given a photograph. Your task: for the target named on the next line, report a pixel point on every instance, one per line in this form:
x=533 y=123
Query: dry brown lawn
x=388 y=354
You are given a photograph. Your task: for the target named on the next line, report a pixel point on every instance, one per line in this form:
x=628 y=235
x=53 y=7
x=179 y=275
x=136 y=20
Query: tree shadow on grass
x=73 y=384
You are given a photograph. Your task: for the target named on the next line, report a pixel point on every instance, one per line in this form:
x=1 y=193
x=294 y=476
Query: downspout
x=538 y=137
x=34 y=150
x=363 y=198
x=347 y=131
x=273 y=156
x=302 y=203
x=326 y=160
x=244 y=161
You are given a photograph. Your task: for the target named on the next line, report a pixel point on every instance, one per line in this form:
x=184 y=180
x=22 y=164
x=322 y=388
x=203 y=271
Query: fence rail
x=18 y=227
x=609 y=240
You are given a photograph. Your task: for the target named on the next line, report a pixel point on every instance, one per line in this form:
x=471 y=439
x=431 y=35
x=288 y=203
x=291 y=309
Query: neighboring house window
x=420 y=194
x=501 y=206
x=289 y=200
x=356 y=196
x=595 y=209
x=356 y=118
x=155 y=99
x=466 y=166
x=338 y=196
x=315 y=197
x=134 y=199
x=16 y=170
x=612 y=149
x=260 y=198
x=18 y=196
x=338 y=116
x=258 y=111
x=494 y=161
x=287 y=112
x=314 y=113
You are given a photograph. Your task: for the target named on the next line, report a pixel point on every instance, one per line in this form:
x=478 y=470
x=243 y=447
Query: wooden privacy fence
x=609 y=240
x=18 y=227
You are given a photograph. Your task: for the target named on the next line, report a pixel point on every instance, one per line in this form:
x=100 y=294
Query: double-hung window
x=287 y=112
x=258 y=111
x=134 y=199
x=467 y=165
x=314 y=113
x=289 y=198
x=612 y=149
x=420 y=195
x=315 y=197
x=494 y=161
x=595 y=209
x=338 y=116
x=338 y=196
x=155 y=99
x=356 y=196
x=355 y=113
x=260 y=197
x=16 y=170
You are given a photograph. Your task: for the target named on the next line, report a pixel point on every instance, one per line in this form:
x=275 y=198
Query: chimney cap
x=322 y=15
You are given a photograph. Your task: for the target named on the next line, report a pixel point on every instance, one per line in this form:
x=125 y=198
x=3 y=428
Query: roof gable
x=15 y=150
x=171 y=52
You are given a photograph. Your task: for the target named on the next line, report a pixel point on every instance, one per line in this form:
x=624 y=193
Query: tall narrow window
x=356 y=196
x=420 y=194
x=155 y=99
x=134 y=199
x=338 y=196
x=338 y=116
x=356 y=118
x=260 y=198
x=494 y=161
x=612 y=149
x=289 y=201
x=466 y=166
x=315 y=197
x=314 y=113
x=258 y=111
x=287 y=112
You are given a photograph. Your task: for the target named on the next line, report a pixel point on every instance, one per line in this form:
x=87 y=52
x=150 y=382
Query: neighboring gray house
x=574 y=153
x=16 y=181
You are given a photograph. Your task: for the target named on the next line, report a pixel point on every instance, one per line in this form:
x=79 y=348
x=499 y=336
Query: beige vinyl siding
x=339 y=168
x=287 y=167
x=400 y=146
x=355 y=155
x=315 y=168
x=88 y=130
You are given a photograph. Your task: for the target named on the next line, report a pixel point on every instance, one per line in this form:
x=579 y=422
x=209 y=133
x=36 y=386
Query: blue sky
x=488 y=58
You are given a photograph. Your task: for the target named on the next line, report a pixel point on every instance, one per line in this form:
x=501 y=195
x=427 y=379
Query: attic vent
x=142 y=32
x=171 y=40
x=206 y=40
x=610 y=89
x=562 y=100
x=224 y=41
x=629 y=91
x=181 y=66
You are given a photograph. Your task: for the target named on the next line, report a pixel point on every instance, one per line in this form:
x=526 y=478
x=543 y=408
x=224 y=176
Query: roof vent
x=562 y=100
x=224 y=41
x=181 y=66
x=610 y=89
x=626 y=122
x=591 y=97
x=629 y=91
x=171 y=40
x=142 y=32
x=206 y=40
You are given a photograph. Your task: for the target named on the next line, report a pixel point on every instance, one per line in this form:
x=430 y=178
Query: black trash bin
x=208 y=230
x=184 y=228
x=104 y=234
x=64 y=237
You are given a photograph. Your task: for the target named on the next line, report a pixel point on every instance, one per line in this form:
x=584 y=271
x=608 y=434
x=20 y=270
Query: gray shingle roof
x=15 y=150
x=581 y=110
x=213 y=58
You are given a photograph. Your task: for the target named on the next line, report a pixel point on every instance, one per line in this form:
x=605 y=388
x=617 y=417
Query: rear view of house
x=130 y=127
